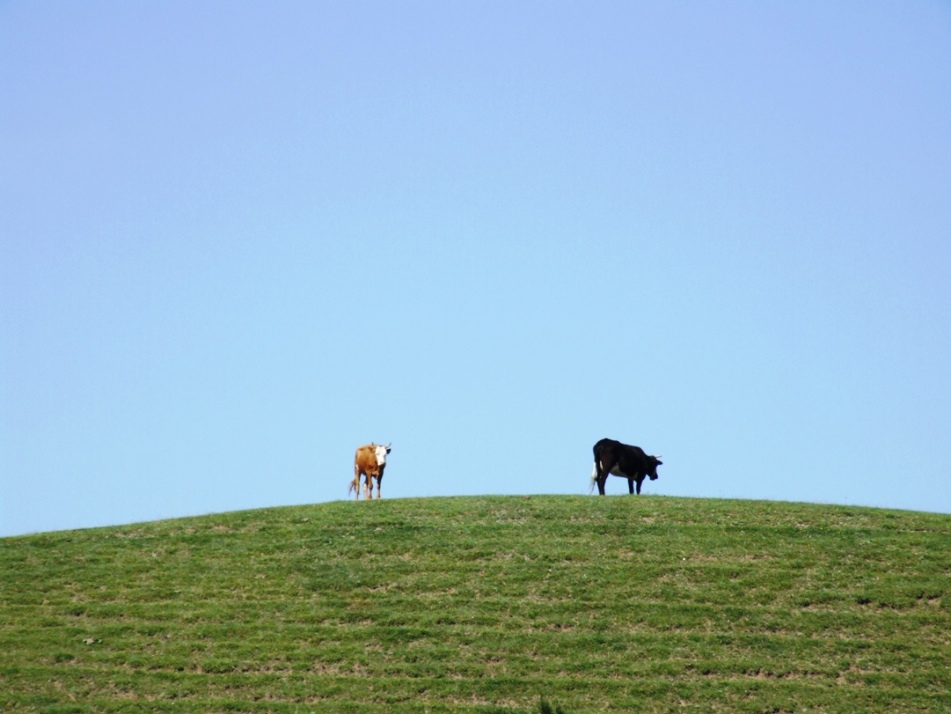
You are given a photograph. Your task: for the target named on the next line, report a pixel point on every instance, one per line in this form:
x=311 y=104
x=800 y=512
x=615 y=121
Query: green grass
x=499 y=604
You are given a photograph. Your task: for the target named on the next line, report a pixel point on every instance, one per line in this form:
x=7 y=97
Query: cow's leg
x=603 y=470
x=355 y=484
x=379 y=484
x=630 y=486
x=367 y=488
x=640 y=480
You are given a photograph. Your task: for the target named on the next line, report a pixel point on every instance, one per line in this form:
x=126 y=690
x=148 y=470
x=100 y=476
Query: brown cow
x=369 y=462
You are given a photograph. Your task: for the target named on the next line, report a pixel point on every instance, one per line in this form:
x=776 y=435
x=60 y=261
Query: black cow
x=613 y=457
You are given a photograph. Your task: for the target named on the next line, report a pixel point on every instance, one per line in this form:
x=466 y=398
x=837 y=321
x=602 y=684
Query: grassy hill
x=646 y=604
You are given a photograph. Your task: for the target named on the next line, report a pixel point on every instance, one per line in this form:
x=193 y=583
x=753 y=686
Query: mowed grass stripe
x=485 y=604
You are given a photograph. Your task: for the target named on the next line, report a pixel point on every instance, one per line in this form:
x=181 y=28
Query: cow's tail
x=355 y=484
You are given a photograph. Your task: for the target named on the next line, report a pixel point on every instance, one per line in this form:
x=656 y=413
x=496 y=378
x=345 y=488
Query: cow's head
x=381 y=452
x=654 y=462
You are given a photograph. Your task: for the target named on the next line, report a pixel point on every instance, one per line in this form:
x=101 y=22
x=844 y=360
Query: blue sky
x=237 y=240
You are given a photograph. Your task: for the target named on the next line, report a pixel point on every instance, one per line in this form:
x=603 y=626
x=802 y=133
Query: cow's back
x=606 y=447
x=629 y=459
x=364 y=460
x=633 y=459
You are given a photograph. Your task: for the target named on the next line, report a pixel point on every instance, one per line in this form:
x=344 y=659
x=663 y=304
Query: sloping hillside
x=485 y=605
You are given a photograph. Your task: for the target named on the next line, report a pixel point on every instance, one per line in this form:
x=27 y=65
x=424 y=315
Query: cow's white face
x=381 y=452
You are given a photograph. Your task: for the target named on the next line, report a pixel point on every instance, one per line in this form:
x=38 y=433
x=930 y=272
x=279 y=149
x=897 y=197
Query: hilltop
x=485 y=604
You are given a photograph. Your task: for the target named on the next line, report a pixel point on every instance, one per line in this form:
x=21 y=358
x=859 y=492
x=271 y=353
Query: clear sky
x=239 y=239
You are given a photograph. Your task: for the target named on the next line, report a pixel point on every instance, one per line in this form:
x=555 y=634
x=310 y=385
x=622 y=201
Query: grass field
x=622 y=603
